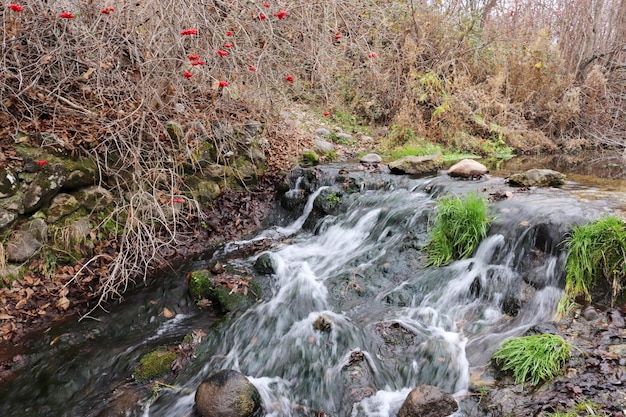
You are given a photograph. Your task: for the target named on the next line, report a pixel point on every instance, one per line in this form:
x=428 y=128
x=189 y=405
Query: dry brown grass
x=108 y=83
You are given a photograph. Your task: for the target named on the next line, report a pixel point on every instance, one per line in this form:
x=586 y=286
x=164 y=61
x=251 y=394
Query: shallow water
x=394 y=324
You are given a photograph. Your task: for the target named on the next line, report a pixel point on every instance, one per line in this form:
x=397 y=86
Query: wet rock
x=23 y=244
x=228 y=393
x=590 y=313
x=467 y=168
x=8 y=182
x=124 y=401
x=226 y=292
x=428 y=401
x=357 y=374
x=417 y=165
x=62 y=205
x=154 y=365
x=323 y=324
x=371 y=158
x=537 y=178
x=265 y=264
x=46 y=184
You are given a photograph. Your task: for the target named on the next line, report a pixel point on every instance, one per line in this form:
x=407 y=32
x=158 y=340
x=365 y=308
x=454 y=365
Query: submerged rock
x=428 y=401
x=228 y=393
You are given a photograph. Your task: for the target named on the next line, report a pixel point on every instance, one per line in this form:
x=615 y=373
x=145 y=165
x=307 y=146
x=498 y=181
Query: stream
x=349 y=254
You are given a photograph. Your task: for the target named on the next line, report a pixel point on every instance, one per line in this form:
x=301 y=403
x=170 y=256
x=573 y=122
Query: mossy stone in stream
x=154 y=365
x=203 y=284
x=200 y=284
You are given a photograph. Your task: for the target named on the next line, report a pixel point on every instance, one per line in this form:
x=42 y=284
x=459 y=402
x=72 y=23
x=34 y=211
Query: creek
x=348 y=254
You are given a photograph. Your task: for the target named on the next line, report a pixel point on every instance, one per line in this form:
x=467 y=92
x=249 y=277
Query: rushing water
x=393 y=323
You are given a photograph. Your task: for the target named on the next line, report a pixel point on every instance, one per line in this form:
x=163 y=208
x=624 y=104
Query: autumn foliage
x=106 y=77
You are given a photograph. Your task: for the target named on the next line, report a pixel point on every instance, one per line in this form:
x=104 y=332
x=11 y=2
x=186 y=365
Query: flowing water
x=389 y=323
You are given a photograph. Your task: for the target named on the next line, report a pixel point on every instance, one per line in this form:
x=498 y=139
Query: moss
x=154 y=365
x=309 y=158
x=228 y=300
x=200 y=284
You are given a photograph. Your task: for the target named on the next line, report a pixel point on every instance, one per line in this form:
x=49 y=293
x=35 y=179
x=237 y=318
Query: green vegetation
x=534 y=358
x=333 y=198
x=461 y=224
x=154 y=365
x=597 y=257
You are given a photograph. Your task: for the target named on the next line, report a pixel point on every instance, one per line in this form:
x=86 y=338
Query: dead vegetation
x=474 y=76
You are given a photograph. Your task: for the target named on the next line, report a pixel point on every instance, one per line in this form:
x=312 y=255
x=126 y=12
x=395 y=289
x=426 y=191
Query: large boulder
x=428 y=401
x=537 y=178
x=467 y=168
x=228 y=393
x=416 y=165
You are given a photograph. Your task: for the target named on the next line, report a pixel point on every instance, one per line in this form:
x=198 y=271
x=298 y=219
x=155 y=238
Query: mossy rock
x=154 y=365
x=200 y=284
x=204 y=285
x=227 y=300
x=265 y=264
x=309 y=159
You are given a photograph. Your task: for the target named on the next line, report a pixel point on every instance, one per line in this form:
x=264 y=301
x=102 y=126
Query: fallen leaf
x=63 y=303
x=167 y=313
x=5 y=317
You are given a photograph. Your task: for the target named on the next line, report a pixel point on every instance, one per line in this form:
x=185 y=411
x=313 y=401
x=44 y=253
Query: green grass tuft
x=596 y=251
x=461 y=224
x=534 y=359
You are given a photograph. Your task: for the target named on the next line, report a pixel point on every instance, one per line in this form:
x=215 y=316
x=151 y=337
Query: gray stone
x=344 y=137
x=7 y=217
x=323 y=146
x=62 y=205
x=371 y=158
x=23 y=244
x=228 y=393
x=46 y=184
x=428 y=401
x=467 y=168
x=265 y=264
x=8 y=182
x=95 y=197
x=416 y=165
x=537 y=178
x=322 y=131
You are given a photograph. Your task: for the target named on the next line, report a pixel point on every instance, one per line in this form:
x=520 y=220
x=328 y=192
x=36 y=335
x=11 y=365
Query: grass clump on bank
x=460 y=225
x=534 y=358
x=596 y=258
